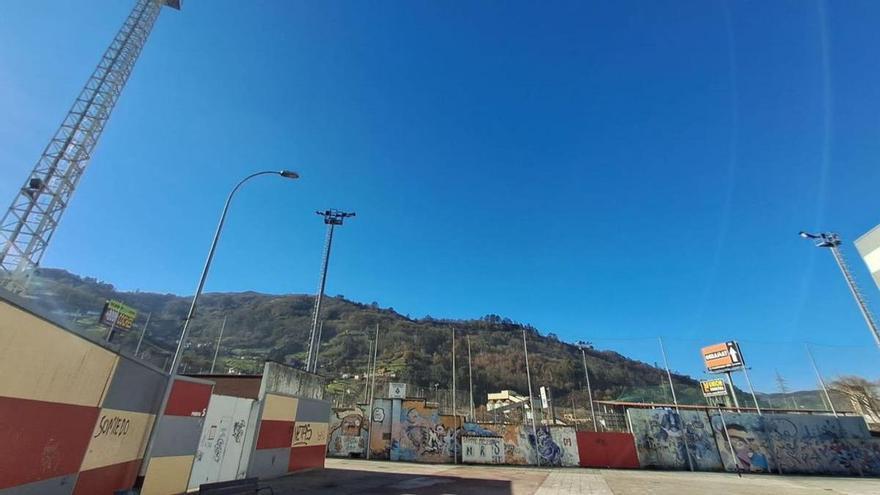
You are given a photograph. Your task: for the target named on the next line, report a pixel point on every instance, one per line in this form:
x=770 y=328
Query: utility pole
x=318 y=347
x=217 y=349
x=454 y=408
x=369 y=367
x=373 y=386
x=332 y=218
x=31 y=220
x=732 y=391
x=143 y=332
x=582 y=345
x=471 y=378
x=751 y=388
x=675 y=401
x=831 y=241
x=531 y=396
x=821 y=381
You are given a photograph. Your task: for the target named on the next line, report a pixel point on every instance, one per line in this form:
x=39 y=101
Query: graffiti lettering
x=238 y=431
x=112 y=426
x=302 y=434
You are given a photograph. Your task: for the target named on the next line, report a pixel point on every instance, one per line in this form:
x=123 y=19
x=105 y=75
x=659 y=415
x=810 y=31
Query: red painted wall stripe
x=107 y=479
x=275 y=434
x=40 y=440
x=607 y=449
x=188 y=399
x=307 y=457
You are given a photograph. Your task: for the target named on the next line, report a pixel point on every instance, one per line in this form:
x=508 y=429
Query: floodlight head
x=288 y=174
x=807 y=235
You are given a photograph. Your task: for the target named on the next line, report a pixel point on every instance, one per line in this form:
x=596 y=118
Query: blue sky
x=602 y=171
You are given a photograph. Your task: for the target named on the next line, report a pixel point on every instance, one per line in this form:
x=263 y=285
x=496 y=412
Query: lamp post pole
x=582 y=345
x=531 y=397
x=175 y=361
x=832 y=241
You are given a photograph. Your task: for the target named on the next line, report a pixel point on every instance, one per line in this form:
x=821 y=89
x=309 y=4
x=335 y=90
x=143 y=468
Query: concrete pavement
x=350 y=476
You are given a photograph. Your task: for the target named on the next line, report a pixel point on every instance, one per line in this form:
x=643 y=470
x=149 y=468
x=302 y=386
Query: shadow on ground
x=351 y=481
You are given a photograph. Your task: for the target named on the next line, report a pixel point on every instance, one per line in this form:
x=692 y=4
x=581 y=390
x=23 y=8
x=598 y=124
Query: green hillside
x=416 y=351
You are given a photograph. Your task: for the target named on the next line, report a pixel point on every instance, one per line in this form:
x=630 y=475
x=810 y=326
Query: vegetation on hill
x=416 y=351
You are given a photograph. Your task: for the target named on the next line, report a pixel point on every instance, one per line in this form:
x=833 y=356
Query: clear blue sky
x=602 y=170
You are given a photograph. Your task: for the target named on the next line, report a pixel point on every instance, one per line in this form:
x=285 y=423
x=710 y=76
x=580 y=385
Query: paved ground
x=344 y=476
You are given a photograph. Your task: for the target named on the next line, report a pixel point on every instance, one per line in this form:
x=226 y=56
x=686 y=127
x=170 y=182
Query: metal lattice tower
x=332 y=218
x=29 y=223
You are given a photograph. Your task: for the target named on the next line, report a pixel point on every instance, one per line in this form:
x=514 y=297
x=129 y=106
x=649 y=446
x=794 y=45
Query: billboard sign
x=868 y=246
x=118 y=315
x=713 y=388
x=725 y=356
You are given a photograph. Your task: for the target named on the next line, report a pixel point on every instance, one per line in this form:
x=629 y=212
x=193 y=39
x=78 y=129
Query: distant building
x=505 y=398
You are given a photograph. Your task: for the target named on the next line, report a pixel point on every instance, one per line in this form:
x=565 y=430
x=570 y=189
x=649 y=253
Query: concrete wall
x=555 y=445
x=382 y=414
x=74 y=415
x=607 y=450
x=349 y=432
x=664 y=439
x=793 y=443
x=482 y=450
x=223 y=441
x=748 y=442
x=420 y=434
x=171 y=457
x=280 y=379
x=292 y=425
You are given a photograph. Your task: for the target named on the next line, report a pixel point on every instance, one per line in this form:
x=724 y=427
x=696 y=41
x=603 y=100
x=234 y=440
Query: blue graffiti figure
x=548 y=451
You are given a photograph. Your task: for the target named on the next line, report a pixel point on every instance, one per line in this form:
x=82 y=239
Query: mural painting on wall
x=348 y=432
x=379 y=431
x=664 y=439
x=811 y=444
x=482 y=450
x=557 y=446
x=743 y=444
x=422 y=434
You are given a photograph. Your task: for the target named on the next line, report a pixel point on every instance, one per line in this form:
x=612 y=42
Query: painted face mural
x=747 y=449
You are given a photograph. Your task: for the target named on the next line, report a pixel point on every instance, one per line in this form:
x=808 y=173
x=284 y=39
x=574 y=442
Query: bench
x=247 y=486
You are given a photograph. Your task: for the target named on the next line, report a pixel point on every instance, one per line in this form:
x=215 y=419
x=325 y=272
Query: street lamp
x=175 y=362
x=832 y=241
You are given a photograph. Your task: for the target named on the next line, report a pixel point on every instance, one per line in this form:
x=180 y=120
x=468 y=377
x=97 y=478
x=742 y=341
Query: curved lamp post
x=175 y=362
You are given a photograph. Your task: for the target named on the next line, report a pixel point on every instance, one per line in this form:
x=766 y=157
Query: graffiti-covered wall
x=556 y=445
x=380 y=428
x=749 y=442
x=420 y=433
x=793 y=443
x=292 y=435
x=665 y=440
x=349 y=430
x=223 y=441
x=482 y=450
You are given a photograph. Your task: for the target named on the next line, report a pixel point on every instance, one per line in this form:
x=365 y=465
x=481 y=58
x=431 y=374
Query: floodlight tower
x=332 y=218
x=831 y=241
x=28 y=225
